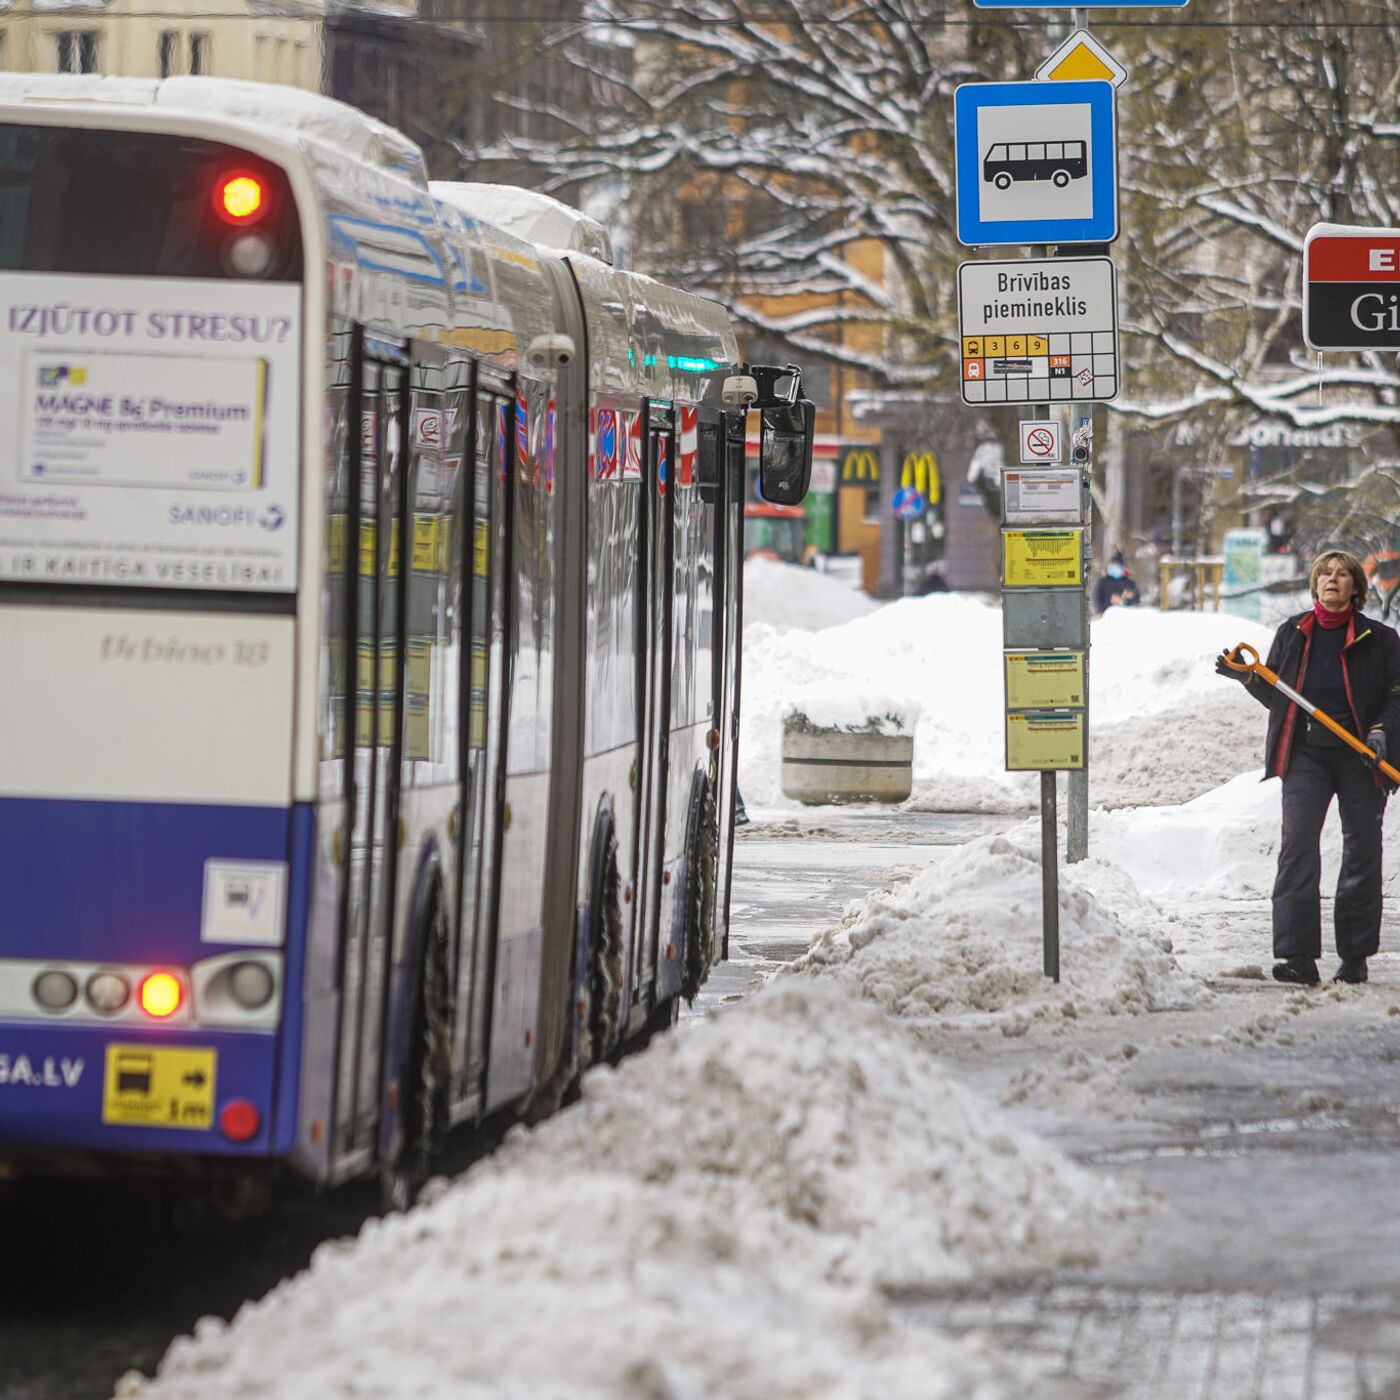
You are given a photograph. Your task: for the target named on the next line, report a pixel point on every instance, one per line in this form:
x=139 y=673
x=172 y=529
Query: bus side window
x=335 y=668
x=441 y=408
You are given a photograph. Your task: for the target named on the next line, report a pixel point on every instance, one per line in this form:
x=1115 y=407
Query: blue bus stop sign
x=908 y=504
x=1036 y=163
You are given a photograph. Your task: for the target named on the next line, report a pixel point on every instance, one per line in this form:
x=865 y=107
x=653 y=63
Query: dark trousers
x=1315 y=774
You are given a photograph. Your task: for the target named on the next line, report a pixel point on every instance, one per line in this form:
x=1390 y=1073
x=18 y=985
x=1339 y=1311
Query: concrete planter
x=873 y=762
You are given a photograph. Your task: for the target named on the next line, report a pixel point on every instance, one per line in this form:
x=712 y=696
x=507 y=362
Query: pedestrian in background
x=1117 y=587
x=1348 y=665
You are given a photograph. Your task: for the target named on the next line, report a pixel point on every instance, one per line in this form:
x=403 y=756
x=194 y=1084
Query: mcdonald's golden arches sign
x=920 y=471
x=860 y=464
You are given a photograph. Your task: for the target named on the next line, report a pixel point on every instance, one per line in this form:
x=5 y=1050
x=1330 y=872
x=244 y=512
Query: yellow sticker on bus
x=151 y=1087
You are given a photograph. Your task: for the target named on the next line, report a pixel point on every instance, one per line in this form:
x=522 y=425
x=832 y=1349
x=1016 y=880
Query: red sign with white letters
x=1351 y=288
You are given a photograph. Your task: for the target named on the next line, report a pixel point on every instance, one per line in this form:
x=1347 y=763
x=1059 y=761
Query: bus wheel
x=702 y=873
x=1060 y=179
x=604 y=988
x=1002 y=181
x=421 y=1122
x=662 y=1018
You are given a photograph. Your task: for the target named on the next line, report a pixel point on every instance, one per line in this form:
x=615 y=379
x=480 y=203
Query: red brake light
x=161 y=995
x=240 y=198
x=240 y=1120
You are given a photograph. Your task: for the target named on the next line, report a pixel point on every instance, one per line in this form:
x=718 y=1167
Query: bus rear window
x=123 y=203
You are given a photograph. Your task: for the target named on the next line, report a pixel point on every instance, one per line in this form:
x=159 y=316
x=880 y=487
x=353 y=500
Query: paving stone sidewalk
x=1147 y=1344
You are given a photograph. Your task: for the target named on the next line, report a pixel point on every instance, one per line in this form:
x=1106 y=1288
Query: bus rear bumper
x=110 y=1089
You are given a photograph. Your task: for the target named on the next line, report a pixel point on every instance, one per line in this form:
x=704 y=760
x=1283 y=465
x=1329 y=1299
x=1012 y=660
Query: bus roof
x=667 y=343
x=275 y=110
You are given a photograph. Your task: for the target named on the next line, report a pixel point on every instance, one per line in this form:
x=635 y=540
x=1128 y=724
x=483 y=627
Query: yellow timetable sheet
x=1044 y=679
x=1044 y=740
x=1042 y=558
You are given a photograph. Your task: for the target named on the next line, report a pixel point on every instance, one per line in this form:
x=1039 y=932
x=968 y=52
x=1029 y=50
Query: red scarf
x=1328 y=619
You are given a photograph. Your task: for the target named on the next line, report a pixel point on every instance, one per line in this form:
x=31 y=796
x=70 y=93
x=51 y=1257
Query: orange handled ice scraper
x=1253 y=663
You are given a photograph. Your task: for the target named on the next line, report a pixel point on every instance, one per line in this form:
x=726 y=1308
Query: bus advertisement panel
x=157 y=432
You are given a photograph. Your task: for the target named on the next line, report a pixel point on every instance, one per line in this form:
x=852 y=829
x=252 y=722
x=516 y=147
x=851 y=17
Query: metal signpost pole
x=1077 y=797
x=1049 y=798
x=1040 y=335
x=1077 y=813
x=1049 y=876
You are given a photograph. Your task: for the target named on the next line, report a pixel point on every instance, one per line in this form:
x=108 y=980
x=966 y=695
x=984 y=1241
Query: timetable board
x=1045 y=740
x=1042 y=558
x=1038 y=331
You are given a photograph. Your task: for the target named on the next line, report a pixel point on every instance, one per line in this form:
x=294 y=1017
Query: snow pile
x=832 y=705
x=944 y=650
x=717 y=1217
x=1175 y=755
x=1147 y=663
x=963 y=938
x=1164 y=727
x=784 y=596
x=1223 y=845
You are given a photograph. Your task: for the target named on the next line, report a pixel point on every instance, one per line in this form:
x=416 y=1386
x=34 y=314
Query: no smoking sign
x=1041 y=441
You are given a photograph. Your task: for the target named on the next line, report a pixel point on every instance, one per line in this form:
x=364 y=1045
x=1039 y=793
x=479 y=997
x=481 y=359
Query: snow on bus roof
x=537 y=218
x=282 y=111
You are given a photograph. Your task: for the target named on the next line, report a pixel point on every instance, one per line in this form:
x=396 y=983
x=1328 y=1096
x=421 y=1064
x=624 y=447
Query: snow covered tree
x=765 y=153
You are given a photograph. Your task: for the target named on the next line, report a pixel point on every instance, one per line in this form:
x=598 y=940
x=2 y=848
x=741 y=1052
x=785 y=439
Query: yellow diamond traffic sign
x=1081 y=56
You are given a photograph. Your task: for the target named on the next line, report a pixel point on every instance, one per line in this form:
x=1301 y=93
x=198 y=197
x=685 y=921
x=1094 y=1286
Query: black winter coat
x=1370 y=668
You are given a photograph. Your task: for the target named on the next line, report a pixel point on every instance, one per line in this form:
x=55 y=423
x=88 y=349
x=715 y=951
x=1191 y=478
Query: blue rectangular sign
x=1036 y=163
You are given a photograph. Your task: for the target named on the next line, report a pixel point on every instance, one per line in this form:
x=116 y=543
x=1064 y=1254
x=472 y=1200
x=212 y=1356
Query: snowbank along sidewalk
x=723 y=1215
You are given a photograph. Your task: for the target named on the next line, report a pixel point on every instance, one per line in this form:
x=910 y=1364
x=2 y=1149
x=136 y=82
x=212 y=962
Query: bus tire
x=425 y=1079
x=603 y=981
x=1002 y=181
x=702 y=875
x=597 y=982
x=1060 y=179
x=662 y=1018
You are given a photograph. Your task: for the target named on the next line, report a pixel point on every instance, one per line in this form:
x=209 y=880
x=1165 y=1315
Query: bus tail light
x=251 y=254
x=251 y=984
x=161 y=995
x=55 y=991
x=108 y=992
x=239 y=1120
x=240 y=198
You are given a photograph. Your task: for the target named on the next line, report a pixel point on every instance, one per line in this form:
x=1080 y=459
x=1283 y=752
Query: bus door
x=656 y=685
x=721 y=468
x=444 y=711
x=486 y=647
x=375 y=621
x=731 y=445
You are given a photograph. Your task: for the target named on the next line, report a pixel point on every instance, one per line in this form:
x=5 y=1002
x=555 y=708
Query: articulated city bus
x=370 y=587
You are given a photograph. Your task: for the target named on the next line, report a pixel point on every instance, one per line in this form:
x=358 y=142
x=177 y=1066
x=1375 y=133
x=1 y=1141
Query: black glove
x=1230 y=674
x=1375 y=741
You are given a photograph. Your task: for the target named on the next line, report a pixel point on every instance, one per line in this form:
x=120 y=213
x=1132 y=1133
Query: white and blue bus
x=370 y=588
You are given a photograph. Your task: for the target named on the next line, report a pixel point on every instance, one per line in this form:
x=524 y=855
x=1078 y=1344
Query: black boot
x=1351 y=970
x=1301 y=971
